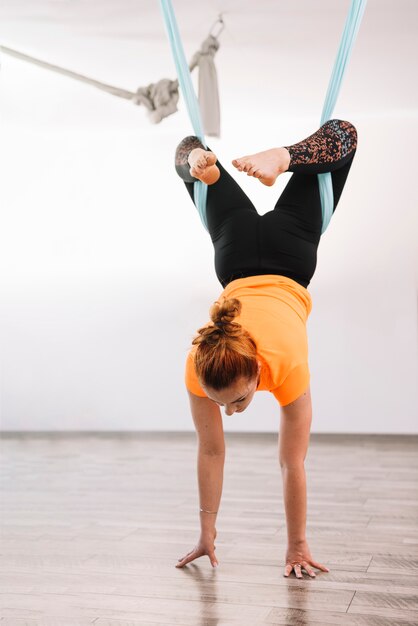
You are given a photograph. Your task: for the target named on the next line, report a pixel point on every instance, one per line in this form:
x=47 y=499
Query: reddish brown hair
x=225 y=351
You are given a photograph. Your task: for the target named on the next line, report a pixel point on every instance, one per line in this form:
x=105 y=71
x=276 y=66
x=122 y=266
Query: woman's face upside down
x=237 y=396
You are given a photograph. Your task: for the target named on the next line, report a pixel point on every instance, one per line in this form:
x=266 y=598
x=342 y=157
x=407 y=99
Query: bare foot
x=266 y=166
x=202 y=166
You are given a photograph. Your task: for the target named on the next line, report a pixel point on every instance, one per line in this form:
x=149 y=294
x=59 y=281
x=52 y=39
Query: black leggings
x=285 y=240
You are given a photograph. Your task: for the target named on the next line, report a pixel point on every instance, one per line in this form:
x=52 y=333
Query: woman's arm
x=211 y=457
x=295 y=424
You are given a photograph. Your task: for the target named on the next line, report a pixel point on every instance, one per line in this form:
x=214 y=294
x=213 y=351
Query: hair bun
x=222 y=314
x=224 y=311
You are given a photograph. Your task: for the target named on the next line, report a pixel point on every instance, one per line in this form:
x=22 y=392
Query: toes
x=245 y=165
x=198 y=167
x=241 y=163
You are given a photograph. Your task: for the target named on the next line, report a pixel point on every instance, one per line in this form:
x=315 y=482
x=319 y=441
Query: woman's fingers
x=298 y=558
x=298 y=569
x=190 y=556
x=308 y=569
x=195 y=554
x=213 y=559
x=288 y=569
x=204 y=546
x=319 y=566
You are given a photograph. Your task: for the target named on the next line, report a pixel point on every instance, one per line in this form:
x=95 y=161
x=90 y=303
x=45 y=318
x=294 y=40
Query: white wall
x=106 y=271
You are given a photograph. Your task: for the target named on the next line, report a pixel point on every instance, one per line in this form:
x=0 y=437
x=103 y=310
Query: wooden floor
x=92 y=526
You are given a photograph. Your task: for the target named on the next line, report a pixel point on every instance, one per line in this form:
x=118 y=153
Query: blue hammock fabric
x=351 y=28
x=348 y=38
x=200 y=189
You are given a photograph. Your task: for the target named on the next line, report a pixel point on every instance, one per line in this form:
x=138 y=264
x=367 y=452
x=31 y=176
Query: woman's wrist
x=207 y=523
x=209 y=532
x=295 y=502
x=210 y=476
x=296 y=542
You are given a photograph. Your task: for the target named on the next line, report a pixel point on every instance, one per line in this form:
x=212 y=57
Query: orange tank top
x=274 y=311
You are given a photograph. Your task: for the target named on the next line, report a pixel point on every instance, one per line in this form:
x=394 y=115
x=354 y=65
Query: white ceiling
x=273 y=54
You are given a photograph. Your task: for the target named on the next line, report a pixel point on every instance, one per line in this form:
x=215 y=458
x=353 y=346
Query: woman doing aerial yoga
x=256 y=339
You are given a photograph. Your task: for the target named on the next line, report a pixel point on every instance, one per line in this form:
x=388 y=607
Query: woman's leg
x=330 y=149
x=231 y=217
x=290 y=234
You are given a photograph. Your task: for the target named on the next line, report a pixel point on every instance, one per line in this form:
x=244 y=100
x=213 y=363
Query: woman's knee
x=347 y=133
x=184 y=148
x=181 y=162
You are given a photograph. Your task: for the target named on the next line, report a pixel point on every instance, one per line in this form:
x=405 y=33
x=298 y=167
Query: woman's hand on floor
x=298 y=557
x=205 y=545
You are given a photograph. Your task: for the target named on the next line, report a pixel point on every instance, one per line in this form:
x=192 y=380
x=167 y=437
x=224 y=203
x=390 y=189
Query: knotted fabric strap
x=349 y=35
x=161 y=98
x=208 y=86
